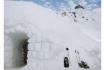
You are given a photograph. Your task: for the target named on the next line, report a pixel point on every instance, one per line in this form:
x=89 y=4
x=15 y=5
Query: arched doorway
x=20 y=48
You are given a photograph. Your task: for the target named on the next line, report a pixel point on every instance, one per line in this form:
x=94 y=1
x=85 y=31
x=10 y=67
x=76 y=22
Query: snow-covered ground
x=49 y=34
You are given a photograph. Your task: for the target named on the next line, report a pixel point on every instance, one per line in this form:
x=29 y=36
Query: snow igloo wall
x=20 y=30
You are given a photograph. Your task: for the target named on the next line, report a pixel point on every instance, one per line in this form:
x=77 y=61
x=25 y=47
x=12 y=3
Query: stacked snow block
x=39 y=49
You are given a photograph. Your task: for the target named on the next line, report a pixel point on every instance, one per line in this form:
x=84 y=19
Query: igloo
x=36 y=38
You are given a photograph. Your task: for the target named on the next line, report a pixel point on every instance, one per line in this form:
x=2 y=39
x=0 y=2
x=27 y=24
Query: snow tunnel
x=20 y=48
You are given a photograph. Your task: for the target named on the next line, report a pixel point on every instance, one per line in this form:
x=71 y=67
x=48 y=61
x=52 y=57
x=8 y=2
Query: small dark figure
x=83 y=64
x=75 y=20
x=75 y=51
x=74 y=14
x=67 y=49
x=93 y=19
x=66 y=62
x=86 y=19
x=83 y=17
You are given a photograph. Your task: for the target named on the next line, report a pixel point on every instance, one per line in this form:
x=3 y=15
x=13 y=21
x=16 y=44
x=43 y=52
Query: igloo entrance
x=20 y=49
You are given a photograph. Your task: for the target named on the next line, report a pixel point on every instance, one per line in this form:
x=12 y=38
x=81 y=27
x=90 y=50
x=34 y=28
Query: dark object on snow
x=86 y=19
x=77 y=52
x=79 y=6
x=83 y=17
x=83 y=64
x=75 y=20
x=93 y=19
x=66 y=62
x=74 y=14
x=67 y=49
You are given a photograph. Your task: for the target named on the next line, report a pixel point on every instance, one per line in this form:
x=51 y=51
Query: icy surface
x=49 y=34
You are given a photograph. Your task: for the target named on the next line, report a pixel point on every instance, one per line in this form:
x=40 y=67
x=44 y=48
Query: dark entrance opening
x=20 y=48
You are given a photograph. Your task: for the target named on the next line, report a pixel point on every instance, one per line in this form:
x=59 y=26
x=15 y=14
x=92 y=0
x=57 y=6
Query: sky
x=66 y=4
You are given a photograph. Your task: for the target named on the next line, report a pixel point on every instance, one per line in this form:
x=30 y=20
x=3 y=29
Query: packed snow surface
x=49 y=34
